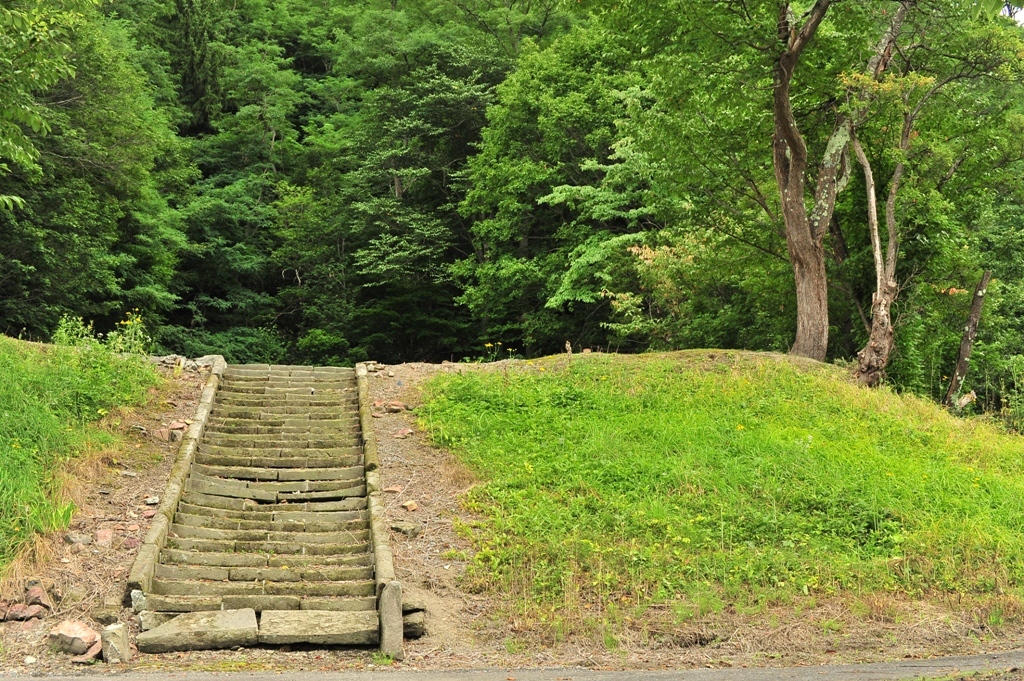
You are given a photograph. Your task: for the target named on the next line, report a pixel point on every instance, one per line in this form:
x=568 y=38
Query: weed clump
x=49 y=397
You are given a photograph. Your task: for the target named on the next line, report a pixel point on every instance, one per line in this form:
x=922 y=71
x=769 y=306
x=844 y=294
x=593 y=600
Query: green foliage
x=745 y=477
x=49 y=396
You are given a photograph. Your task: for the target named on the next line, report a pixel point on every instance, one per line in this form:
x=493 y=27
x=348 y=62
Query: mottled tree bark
x=967 y=342
x=805 y=232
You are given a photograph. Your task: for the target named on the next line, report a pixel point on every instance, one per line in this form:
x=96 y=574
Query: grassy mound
x=49 y=396
x=702 y=477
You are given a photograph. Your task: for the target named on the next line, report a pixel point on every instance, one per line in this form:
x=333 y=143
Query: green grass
x=49 y=397
x=706 y=478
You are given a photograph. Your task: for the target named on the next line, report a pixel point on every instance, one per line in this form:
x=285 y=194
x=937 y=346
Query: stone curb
x=141 y=576
x=383 y=559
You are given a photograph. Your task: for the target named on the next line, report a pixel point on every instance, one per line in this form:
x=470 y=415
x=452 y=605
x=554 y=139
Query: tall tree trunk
x=805 y=232
x=874 y=357
x=967 y=342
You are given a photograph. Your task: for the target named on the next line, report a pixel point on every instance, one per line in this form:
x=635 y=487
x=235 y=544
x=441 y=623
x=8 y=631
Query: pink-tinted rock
x=131 y=543
x=72 y=636
x=104 y=537
x=91 y=655
x=36 y=595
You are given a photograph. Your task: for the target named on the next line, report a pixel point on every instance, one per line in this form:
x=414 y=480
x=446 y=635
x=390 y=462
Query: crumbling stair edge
x=140 y=579
x=389 y=590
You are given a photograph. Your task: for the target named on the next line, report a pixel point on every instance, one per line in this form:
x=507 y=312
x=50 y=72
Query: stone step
x=164 y=603
x=348 y=536
x=354 y=478
x=280 y=474
x=258 y=376
x=353 y=502
x=175 y=557
x=263 y=574
x=270 y=402
x=277 y=461
x=330 y=426
x=357 y=511
x=287 y=421
x=322 y=491
x=335 y=628
x=182 y=587
x=284 y=412
x=291 y=441
x=286 y=368
x=359 y=520
x=283 y=453
x=275 y=547
x=346 y=389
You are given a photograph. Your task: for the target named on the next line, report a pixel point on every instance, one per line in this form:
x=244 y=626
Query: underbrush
x=50 y=398
x=710 y=480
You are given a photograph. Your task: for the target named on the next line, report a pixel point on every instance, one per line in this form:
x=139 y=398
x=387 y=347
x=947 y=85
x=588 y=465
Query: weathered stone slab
x=202 y=631
x=339 y=604
x=324 y=628
x=151 y=620
x=389 y=605
x=262 y=603
x=361 y=588
x=159 y=603
x=172 y=556
x=116 y=648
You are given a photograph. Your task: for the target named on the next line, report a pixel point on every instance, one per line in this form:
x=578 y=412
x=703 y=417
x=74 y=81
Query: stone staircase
x=274 y=514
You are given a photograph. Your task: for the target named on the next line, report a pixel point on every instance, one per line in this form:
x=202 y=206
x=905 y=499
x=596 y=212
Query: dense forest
x=325 y=182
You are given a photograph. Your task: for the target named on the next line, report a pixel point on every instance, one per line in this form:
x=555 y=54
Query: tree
x=33 y=56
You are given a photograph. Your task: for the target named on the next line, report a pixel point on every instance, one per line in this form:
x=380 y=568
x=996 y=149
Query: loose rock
x=116 y=648
x=152 y=501
x=408 y=528
x=91 y=655
x=105 y=614
x=414 y=625
x=71 y=636
x=78 y=538
x=410 y=505
x=104 y=537
x=36 y=595
x=19 y=612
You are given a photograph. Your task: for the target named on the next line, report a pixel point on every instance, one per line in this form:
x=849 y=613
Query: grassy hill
x=49 y=398
x=713 y=478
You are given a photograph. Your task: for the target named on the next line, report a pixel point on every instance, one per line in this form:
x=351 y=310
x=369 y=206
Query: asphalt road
x=887 y=671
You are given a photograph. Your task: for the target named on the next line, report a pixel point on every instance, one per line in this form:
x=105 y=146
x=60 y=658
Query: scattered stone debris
x=404 y=433
x=410 y=505
x=73 y=637
x=408 y=528
x=115 y=644
x=152 y=501
x=394 y=489
x=78 y=538
x=104 y=537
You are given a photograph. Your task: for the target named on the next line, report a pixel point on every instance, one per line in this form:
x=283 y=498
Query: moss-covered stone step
x=342 y=547
x=282 y=452
x=240 y=504
x=215 y=559
x=181 y=587
x=284 y=441
x=263 y=573
x=167 y=603
x=208 y=459
x=357 y=510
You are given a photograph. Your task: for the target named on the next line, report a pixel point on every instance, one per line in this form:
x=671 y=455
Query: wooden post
x=967 y=342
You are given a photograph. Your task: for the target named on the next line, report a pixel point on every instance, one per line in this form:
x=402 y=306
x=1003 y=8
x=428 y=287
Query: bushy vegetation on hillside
x=49 y=397
x=704 y=478
x=411 y=179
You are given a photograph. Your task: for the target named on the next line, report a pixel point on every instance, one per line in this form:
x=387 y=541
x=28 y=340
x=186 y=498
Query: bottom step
x=280 y=627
